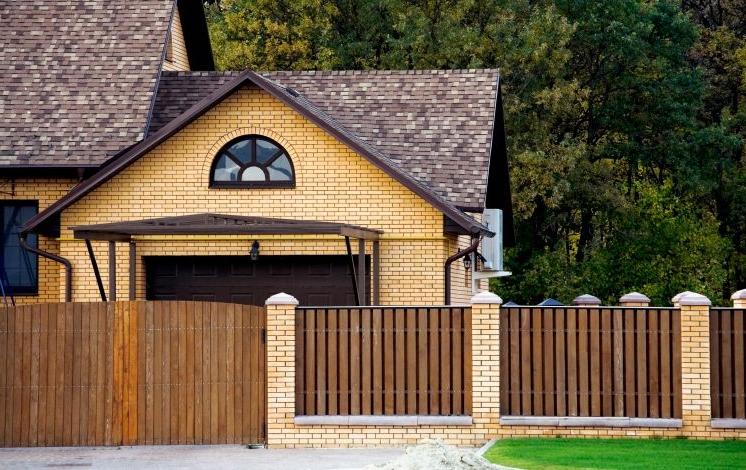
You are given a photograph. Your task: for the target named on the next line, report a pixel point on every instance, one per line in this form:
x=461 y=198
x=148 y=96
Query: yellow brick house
x=174 y=181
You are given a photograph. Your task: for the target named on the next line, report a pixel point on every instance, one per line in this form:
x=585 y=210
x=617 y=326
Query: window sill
x=371 y=420
x=581 y=421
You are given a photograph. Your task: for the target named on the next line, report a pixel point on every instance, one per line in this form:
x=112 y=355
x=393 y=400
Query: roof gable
x=435 y=124
x=291 y=99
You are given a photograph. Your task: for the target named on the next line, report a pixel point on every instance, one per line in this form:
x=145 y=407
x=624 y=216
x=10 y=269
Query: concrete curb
x=482 y=450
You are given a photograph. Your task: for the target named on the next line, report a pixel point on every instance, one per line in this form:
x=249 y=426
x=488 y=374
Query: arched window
x=252 y=161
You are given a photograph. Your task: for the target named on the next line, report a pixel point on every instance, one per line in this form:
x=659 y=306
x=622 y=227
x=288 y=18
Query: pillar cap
x=281 y=299
x=676 y=298
x=634 y=297
x=694 y=299
x=739 y=295
x=586 y=299
x=486 y=298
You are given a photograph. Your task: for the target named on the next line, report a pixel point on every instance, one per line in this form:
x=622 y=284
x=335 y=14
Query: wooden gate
x=128 y=373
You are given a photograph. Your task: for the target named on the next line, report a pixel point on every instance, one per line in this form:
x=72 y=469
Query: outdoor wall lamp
x=254 y=250
x=467 y=262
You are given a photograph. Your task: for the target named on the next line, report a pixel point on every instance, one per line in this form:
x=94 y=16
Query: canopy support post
x=113 y=271
x=133 y=270
x=361 y=271
x=352 y=270
x=96 y=272
x=376 y=273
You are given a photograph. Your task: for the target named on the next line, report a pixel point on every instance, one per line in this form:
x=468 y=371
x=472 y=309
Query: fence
x=728 y=363
x=383 y=361
x=131 y=373
x=591 y=362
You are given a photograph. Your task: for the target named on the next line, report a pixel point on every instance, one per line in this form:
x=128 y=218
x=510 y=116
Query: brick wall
x=332 y=183
x=45 y=191
x=282 y=432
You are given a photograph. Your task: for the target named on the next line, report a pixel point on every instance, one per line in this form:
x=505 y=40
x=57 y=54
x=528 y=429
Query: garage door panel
x=313 y=280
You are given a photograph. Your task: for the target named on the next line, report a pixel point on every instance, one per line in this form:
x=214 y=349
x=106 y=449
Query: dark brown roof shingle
x=436 y=125
x=77 y=78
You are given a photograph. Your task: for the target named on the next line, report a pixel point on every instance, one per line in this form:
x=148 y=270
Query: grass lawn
x=666 y=454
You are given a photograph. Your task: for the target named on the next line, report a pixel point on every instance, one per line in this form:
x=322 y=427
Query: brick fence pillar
x=485 y=340
x=280 y=366
x=695 y=364
x=739 y=299
x=634 y=299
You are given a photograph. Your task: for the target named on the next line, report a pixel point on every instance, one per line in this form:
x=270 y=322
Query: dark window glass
x=252 y=161
x=20 y=267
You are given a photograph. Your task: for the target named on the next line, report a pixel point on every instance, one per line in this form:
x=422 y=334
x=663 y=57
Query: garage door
x=313 y=280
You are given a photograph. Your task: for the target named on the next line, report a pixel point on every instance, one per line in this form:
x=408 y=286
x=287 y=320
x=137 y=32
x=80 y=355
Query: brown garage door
x=313 y=280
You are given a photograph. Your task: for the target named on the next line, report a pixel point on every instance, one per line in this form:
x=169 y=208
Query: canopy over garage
x=219 y=224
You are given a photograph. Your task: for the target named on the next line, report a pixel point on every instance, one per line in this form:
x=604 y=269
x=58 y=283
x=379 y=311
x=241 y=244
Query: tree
x=272 y=34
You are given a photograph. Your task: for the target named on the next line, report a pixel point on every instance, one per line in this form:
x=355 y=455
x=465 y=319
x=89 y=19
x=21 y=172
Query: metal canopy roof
x=219 y=224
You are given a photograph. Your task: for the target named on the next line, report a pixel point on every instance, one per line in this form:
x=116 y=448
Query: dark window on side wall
x=252 y=161
x=20 y=267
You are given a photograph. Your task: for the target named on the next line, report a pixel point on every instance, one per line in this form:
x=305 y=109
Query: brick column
x=739 y=299
x=485 y=340
x=634 y=299
x=280 y=366
x=695 y=364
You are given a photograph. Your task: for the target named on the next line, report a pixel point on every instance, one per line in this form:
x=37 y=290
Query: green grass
x=666 y=454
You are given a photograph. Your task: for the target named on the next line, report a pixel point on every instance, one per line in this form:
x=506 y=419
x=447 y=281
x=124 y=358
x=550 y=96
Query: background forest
x=626 y=122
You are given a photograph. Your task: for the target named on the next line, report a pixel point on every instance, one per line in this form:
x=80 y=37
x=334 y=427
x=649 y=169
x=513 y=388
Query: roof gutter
x=59 y=259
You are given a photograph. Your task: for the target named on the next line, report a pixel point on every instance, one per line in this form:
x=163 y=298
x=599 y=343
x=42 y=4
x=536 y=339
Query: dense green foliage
x=617 y=454
x=626 y=122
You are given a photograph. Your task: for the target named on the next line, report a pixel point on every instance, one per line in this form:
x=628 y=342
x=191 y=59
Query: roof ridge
x=380 y=71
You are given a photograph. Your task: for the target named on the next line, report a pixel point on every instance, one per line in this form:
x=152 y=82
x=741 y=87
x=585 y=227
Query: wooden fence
x=131 y=373
x=383 y=361
x=727 y=363
x=558 y=361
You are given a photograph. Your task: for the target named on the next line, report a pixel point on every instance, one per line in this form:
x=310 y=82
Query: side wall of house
x=45 y=192
x=178 y=54
x=333 y=183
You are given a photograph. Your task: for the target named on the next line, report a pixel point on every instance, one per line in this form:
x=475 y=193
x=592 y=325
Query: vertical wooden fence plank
x=618 y=354
x=321 y=384
x=642 y=364
x=572 y=362
x=344 y=361
x=665 y=363
x=548 y=331
x=607 y=364
x=389 y=362
x=332 y=396
x=584 y=402
x=445 y=362
x=423 y=401
x=412 y=364
x=514 y=316
x=400 y=360
x=739 y=368
x=355 y=365
x=457 y=360
x=377 y=340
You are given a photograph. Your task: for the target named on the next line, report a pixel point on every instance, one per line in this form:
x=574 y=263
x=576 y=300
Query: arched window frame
x=242 y=167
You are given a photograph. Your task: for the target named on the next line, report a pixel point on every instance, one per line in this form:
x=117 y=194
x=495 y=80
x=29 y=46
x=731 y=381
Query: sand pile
x=435 y=455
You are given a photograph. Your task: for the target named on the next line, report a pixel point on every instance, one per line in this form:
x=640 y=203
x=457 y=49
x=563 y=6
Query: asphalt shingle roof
x=77 y=78
x=436 y=125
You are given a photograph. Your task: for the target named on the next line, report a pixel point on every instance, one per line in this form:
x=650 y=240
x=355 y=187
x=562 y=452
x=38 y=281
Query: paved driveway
x=191 y=457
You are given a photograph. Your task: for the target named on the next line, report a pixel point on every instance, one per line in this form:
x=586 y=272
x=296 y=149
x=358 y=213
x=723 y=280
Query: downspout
x=447 y=267
x=59 y=259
